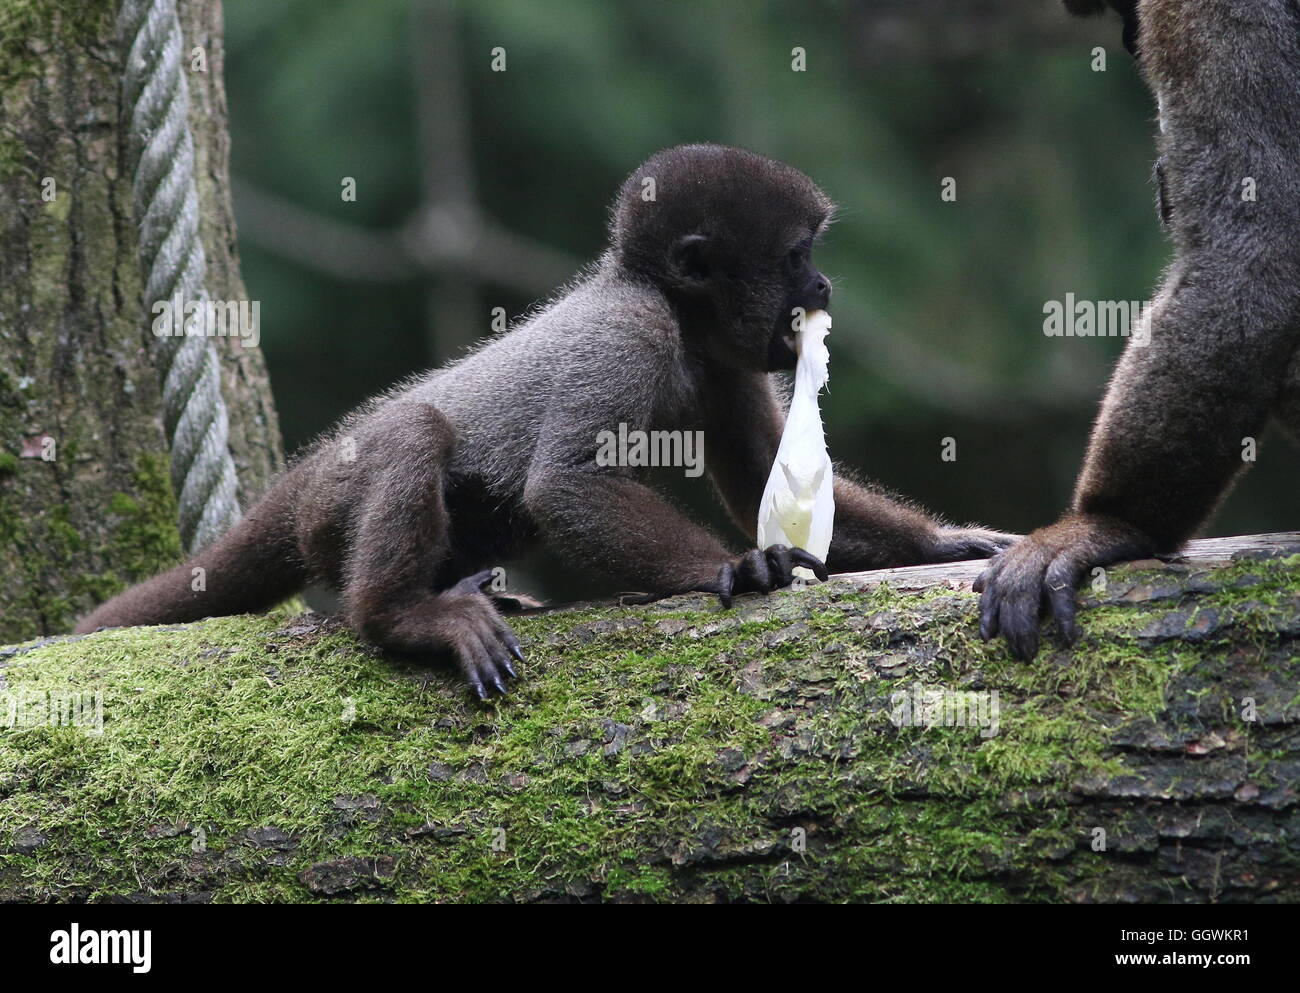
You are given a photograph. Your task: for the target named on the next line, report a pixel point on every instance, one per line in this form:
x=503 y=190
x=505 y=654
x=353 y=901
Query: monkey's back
x=563 y=369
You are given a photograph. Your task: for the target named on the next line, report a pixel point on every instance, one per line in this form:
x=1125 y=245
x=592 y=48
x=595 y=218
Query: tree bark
x=791 y=749
x=77 y=377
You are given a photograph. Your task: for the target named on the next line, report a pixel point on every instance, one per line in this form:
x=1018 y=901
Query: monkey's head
x=727 y=235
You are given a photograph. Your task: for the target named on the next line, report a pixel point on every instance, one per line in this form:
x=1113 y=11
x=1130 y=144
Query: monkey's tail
x=251 y=567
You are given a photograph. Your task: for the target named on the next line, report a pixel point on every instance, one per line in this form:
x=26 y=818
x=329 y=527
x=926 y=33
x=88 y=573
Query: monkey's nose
x=822 y=293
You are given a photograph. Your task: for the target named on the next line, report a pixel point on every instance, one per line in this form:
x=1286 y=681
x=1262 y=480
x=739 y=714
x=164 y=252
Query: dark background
x=478 y=189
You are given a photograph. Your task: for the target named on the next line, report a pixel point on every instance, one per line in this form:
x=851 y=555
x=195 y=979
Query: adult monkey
x=676 y=327
x=1222 y=356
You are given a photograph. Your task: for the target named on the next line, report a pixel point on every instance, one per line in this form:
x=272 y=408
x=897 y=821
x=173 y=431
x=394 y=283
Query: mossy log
x=680 y=752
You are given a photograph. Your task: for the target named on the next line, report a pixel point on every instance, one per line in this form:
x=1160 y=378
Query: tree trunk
x=791 y=749
x=86 y=502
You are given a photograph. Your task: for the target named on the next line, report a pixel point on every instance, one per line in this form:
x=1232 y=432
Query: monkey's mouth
x=781 y=352
x=783 y=349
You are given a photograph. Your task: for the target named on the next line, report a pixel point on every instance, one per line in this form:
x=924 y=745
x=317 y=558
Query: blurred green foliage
x=938 y=306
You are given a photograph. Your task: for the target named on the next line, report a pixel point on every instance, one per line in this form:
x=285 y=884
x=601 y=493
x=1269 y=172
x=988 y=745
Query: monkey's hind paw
x=481 y=641
x=484 y=657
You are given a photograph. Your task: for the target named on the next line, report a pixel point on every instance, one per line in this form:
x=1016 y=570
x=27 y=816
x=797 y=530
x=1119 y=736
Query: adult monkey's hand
x=1042 y=572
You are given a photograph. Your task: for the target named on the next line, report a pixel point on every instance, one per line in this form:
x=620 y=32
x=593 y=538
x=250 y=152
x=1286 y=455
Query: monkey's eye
x=797 y=257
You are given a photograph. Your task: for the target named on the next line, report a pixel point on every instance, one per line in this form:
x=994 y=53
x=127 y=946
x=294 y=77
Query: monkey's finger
x=510 y=644
x=755 y=572
x=469 y=669
x=780 y=564
x=512 y=647
x=726 y=583
x=1018 y=619
x=495 y=636
x=1063 y=609
x=475 y=583
x=477 y=664
x=1060 y=584
x=810 y=561
x=499 y=670
x=989 y=608
x=505 y=646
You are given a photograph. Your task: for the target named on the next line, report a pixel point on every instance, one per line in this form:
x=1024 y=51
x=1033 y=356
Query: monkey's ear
x=691 y=258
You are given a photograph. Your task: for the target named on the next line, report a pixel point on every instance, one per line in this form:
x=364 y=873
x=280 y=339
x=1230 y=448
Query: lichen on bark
x=75 y=357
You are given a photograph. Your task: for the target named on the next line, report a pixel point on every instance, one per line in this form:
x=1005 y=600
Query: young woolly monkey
x=1224 y=328
x=677 y=326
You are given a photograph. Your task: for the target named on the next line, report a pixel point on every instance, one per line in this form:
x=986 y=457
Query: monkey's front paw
x=764 y=571
x=958 y=544
x=481 y=641
x=1013 y=590
x=1042 y=572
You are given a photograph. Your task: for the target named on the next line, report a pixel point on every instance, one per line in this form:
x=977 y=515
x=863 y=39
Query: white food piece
x=798 y=508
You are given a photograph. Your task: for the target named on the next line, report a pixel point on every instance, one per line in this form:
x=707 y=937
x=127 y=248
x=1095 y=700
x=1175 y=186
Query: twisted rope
x=167 y=212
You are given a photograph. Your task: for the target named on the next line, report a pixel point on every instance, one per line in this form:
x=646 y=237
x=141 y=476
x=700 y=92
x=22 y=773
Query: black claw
x=478 y=688
x=517 y=652
x=510 y=670
x=726 y=584
x=988 y=604
x=1063 y=607
x=988 y=616
x=501 y=687
x=810 y=561
x=1025 y=644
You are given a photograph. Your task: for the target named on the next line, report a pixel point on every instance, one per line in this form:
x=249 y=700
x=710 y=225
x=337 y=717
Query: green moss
x=12 y=156
x=752 y=748
x=8 y=464
x=60 y=206
x=28 y=27
x=142 y=540
x=146 y=540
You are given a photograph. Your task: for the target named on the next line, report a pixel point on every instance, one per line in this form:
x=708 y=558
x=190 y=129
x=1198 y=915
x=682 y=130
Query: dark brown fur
x=677 y=327
x=1167 y=444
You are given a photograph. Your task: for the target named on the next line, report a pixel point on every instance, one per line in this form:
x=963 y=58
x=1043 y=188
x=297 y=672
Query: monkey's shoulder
x=610 y=311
